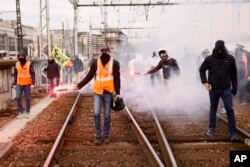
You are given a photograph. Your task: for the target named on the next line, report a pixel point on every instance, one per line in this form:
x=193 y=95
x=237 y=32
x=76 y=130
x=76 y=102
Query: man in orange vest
x=106 y=73
x=24 y=78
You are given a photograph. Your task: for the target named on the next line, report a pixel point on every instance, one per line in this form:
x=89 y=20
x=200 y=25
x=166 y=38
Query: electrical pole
x=105 y=22
x=19 y=26
x=63 y=37
x=75 y=5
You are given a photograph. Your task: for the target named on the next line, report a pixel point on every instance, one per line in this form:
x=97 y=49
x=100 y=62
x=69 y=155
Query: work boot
x=211 y=132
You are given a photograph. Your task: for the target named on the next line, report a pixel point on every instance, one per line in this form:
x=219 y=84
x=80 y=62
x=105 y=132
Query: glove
x=234 y=92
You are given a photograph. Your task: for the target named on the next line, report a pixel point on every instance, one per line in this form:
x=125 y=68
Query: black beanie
x=220 y=44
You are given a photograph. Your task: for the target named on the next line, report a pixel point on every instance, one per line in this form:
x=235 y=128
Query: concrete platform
x=8 y=133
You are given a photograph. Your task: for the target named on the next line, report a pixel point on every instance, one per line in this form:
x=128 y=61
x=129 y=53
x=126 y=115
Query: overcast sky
x=200 y=24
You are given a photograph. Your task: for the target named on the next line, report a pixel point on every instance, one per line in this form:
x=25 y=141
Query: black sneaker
x=234 y=138
x=98 y=141
x=210 y=132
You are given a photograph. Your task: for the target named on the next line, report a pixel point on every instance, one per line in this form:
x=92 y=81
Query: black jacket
x=92 y=72
x=78 y=65
x=169 y=67
x=222 y=71
x=53 y=70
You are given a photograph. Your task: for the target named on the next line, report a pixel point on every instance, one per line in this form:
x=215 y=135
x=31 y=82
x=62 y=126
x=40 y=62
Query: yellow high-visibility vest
x=23 y=73
x=104 y=77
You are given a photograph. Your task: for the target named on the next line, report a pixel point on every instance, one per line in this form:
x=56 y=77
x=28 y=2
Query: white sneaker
x=20 y=115
x=27 y=114
x=223 y=111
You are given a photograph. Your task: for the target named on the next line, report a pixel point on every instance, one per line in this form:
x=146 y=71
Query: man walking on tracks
x=106 y=73
x=221 y=77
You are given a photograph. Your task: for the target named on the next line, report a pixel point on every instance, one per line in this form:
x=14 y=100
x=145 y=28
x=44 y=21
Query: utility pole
x=19 y=26
x=63 y=37
x=75 y=5
x=105 y=22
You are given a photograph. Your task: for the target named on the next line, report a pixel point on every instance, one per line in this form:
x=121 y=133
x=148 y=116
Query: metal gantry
x=44 y=40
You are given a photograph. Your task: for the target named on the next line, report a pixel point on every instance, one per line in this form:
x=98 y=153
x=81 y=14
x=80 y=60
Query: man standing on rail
x=222 y=74
x=169 y=66
x=24 y=79
x=106 y=73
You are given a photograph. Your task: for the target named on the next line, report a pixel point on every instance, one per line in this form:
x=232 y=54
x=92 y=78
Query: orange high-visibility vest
x=104 y=77
x=23 y=74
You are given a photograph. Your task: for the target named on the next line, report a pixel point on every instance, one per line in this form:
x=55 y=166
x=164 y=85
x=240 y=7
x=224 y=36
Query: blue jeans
x=53 y=82
x=100 y=100
x=227 y=99
x=19 y=92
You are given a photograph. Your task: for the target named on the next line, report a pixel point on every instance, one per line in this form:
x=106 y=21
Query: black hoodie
x=53 y=70
x=221 y=66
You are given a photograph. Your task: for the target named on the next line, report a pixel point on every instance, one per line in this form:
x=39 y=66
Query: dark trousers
x=227 y=99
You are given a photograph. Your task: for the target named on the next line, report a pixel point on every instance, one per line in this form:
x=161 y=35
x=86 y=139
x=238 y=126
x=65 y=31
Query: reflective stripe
x=98 y=72
x=23 y=73
x=104 y=79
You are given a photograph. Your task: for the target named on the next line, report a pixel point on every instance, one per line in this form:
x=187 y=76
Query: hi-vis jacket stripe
x=104 y=77
x=99 y=70
x=23 y=73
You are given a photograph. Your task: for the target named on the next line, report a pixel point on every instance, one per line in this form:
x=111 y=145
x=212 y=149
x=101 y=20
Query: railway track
x=137 y=139
x=186 y=142
x=128 y=146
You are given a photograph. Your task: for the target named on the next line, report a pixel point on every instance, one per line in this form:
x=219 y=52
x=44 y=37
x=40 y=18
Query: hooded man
x=24 y=78
x=53 y=75
x=78 y=66
x=168 y=65
x=221 y=83
x=106 y=73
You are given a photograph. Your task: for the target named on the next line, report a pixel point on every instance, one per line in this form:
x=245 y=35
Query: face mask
x=105 y=55
x=22 y=60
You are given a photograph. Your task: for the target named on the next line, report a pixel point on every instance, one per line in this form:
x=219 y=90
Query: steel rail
x=150 y=152
x=242 y=134
x=61 y=134
x=164 y=144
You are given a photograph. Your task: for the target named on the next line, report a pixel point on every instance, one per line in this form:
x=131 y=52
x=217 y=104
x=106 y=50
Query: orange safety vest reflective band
x=23 y=74
x=104 y=77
